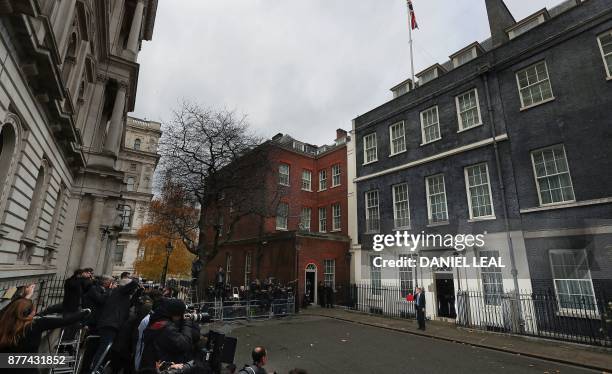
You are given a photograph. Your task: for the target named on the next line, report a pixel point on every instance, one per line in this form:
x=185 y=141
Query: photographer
x=169 y=336
x=260 y=359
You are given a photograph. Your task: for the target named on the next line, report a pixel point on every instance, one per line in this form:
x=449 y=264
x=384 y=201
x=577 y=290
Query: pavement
x=334 y=345
x=596 y=358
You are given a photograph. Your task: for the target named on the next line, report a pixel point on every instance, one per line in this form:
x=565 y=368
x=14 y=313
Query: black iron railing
x=376 y=299
x=584 y=320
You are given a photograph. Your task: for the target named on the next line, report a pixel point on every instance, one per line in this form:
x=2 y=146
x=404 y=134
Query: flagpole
x=411 y=54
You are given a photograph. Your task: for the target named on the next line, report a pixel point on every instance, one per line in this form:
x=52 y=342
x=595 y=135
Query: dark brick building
x=304 y=238
x=511 y=137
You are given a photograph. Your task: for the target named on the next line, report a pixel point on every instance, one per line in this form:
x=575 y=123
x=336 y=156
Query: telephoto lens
x=198 y=317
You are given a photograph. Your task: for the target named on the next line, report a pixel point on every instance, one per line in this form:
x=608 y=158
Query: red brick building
x=304 y=238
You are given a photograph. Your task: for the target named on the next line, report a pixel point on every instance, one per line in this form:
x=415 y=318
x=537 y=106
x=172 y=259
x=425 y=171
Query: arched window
x=126 y=217
x=31 y=226
x=10 y=137
x=137 y=144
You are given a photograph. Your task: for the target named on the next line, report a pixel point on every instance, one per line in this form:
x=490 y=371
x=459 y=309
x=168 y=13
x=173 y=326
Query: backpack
x=247 y=369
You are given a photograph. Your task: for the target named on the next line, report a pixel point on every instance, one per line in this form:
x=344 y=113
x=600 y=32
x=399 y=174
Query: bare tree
x=222 y=167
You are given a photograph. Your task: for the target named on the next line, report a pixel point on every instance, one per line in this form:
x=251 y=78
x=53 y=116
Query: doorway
x=445 y=295
x=310 y=283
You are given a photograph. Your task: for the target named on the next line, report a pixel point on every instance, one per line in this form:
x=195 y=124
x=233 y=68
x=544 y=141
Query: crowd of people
x=126 y=327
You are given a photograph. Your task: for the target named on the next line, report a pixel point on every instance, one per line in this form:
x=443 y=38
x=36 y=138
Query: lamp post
x=169 y=248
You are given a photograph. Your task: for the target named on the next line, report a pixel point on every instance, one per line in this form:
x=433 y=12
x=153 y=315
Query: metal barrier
x=231 y=310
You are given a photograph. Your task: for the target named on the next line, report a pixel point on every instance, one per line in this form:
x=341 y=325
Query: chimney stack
x=340 y=134
x=500 y=19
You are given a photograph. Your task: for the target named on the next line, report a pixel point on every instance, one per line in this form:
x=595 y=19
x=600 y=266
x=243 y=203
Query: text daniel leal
x=451 y=262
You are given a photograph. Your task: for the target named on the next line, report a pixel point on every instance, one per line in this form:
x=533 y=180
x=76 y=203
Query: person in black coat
x=73 y=292
x=21 y=330
x=95 y=299
x=169 y=337
x=114 y=314
x=419 y=304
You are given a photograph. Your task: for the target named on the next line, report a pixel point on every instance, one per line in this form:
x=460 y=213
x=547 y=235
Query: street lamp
x=169 y=248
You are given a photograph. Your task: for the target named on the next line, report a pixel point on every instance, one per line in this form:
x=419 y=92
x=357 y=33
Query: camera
x=197 y=317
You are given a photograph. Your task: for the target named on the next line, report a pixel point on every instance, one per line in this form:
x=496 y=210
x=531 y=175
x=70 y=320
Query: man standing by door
x=419 y=304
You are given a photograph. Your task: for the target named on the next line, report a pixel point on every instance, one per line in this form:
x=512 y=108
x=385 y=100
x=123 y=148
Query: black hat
x=174 y=307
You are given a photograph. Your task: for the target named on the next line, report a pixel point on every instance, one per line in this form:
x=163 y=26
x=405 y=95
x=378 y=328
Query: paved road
x=325 y=346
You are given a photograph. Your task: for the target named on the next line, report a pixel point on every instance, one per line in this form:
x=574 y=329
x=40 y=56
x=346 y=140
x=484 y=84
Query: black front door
x=445 y=295
x=310 y=286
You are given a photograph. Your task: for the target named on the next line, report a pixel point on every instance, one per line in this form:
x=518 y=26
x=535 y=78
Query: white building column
x=116 y=126
x=92 y=240
x=134 y=36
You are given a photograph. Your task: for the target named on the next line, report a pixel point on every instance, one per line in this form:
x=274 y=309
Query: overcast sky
x=302 y=67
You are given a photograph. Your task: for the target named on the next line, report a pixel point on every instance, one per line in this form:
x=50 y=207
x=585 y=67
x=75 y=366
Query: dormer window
x=402 y=88
x=527 y=24
x=430 y=74
x=466 y=54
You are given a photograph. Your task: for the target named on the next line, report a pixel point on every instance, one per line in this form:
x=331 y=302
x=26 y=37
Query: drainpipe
x=490 y=111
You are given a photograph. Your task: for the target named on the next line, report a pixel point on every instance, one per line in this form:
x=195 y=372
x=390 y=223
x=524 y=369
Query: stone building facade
x=509 y=138
x=305 y=239
x=68 y=78
x=138 y=158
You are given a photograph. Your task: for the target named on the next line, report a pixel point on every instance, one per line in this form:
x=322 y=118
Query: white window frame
x=401 y=271
x=395 y=202
x=247 y=268
x=571 y=311
x=336 y=218
x=469 y=193
x=366 y=149
x=305 y=218
x=367 y=211
x=458 y=107
x=323 y=219
x=329 y=271
x=282 y=225
x=228 y=268
x=437 y=125
x=535 y=176
x=129 y=187
x=603 y=56
x=543 y=81
x=306 y=180
x=401 y=137
x=429 y=211
x=375 y=283
x=336 y=173
x=281 y=175
x=493 y=299
x=322 y=179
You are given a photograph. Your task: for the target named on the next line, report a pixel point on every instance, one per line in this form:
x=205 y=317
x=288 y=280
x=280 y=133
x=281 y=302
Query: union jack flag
x=413 y=21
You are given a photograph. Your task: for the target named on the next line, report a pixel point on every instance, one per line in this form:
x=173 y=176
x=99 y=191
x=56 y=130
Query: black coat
x=95 y=299
x=73 y=293
x=117 y=309
x=165 y=340
x=419 y=300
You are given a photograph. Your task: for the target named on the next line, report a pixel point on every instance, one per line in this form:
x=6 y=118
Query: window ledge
x=370 y=162
x=320 y=190
x=284 y=185
x=488 y=218
x=574 y=313
x=537 y=104
x=470 y=128
x=372 y=232
x=443 y=223
x=277 y=229
x=431 y=141
x=336 y=230
x=398 y=153
x=306 y=190
x=568 y=204
x=401 y=228
x=338 y=185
